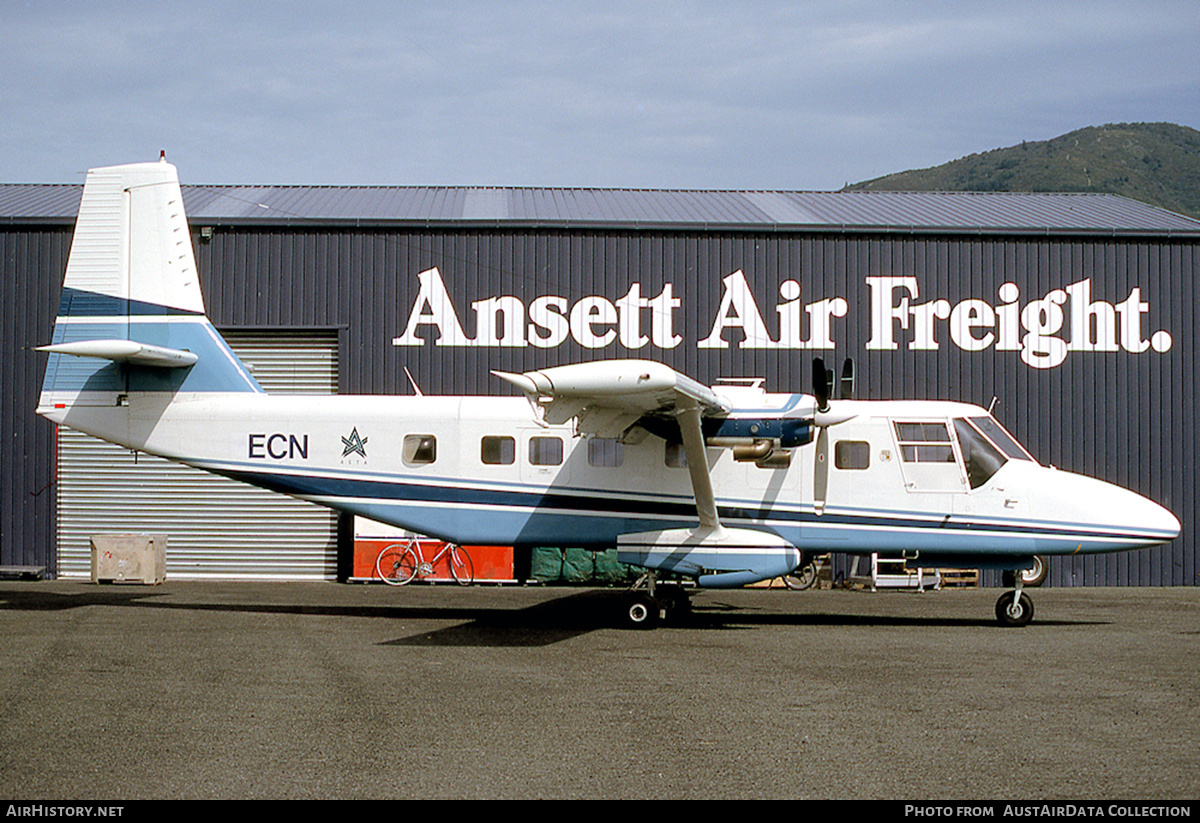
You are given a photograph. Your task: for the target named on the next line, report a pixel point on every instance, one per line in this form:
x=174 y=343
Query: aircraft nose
x=1111 y=517
x=1145 y=520
x=1160 y=521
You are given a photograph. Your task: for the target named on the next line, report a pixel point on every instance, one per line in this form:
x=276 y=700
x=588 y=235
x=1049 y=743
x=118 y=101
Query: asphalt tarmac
x=322 y=690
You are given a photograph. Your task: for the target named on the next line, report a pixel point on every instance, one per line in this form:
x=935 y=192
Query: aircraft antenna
x=413 y=383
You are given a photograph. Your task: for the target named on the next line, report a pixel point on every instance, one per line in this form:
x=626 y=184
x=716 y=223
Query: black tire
x=676 y=602
x=396 y=565
x=641 y=611
x=1037 y=575
x=1011 y=611
x=461 y=567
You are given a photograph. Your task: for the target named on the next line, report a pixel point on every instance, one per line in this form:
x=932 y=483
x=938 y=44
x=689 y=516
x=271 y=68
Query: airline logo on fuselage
x=1044 y=330
x=354 y=444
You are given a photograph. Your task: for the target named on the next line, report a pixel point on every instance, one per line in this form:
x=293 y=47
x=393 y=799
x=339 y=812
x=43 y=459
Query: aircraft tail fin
x=131 y=317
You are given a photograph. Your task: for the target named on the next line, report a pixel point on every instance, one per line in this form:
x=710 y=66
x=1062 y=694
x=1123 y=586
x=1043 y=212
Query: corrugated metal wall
x=217 y=528
x=32 y=262
x=1125 y=417
x=1121 y=416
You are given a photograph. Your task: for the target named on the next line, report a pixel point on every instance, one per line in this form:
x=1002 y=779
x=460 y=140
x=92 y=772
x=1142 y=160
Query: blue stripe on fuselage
x=527 y=515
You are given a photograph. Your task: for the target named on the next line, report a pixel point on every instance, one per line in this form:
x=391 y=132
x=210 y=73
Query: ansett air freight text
x=1044 y=330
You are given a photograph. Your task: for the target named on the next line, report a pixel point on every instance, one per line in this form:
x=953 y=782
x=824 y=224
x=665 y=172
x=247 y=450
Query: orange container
x=492 y=564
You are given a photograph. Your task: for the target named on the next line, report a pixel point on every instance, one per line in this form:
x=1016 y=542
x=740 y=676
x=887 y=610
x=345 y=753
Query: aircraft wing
x=608 y=397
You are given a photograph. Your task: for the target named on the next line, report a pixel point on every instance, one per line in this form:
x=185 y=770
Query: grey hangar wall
x=588 y=292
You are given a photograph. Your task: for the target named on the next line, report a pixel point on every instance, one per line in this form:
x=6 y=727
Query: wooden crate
x=960 y=578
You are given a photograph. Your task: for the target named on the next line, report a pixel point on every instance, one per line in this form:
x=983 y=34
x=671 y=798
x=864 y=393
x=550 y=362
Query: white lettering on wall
x=1038 y=330
x=1044 y=330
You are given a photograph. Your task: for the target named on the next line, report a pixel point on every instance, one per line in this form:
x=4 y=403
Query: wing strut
x=688 y=414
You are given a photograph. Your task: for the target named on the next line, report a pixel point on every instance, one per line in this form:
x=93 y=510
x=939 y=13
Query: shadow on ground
x=551 y=621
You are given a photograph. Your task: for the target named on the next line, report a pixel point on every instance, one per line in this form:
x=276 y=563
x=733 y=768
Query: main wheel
x=641 y=611
x=674 y=599
x=396 y=564
x=461 y=566
x=1014 y=611
x=1037 y=575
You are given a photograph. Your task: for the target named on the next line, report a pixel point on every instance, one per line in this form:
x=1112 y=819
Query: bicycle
x=806 y=577
x=401 y=563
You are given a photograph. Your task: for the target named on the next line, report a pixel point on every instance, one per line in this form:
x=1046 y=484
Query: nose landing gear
x=1014 y=608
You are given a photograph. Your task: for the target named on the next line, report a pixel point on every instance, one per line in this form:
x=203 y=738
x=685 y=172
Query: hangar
x=1071 y=313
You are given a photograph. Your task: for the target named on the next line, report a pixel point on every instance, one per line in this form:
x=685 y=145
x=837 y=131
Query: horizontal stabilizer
x=127 y=351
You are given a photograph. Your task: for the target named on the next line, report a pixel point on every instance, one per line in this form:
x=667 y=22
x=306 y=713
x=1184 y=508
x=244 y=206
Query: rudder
x=131 y=317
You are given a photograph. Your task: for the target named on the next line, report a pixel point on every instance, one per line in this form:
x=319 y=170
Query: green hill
x=1157 y=163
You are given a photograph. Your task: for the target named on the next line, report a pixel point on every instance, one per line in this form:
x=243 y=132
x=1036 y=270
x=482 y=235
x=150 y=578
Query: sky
x=678 y=95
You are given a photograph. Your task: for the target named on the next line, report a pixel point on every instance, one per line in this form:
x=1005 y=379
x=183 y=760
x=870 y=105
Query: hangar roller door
x=216 y=528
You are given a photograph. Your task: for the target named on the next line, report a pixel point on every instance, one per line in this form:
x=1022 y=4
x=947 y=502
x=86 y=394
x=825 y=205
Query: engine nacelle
x=789 y=432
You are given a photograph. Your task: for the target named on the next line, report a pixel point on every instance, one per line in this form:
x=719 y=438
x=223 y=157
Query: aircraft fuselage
x=482 y=470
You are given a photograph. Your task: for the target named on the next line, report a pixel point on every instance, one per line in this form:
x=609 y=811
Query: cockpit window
x=983 y=459
x=924 y=443
x=996 y=433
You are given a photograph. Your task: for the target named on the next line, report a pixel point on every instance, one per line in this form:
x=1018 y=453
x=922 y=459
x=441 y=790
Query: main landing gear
x=1014 y=608
x=649 y=602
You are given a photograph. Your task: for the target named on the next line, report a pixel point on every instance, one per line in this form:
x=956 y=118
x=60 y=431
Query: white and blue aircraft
x=726 y=485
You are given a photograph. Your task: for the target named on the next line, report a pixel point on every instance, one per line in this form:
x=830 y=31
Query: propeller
x=821 y=470
x=822 y=384
x=821 y=380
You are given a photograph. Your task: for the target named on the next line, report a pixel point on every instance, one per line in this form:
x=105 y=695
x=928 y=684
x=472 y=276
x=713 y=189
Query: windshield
x=996 y=433
x=982 y=458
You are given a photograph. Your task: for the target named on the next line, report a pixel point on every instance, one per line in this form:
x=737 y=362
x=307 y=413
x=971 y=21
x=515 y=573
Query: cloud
x=674 y=94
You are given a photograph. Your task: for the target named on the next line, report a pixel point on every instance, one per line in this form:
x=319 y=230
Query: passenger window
x=675 y=456
x=498 y=451
x=924 y=443
x=852 y=454
x=420 y=449
x=605 y=452
x=545 y=451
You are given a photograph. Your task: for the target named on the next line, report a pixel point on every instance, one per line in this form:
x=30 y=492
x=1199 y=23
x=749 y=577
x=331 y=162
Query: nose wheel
x=1014 y=609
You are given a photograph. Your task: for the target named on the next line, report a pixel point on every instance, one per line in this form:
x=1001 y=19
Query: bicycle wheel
x=461 y=566
x=396 y=564
x=801 y=579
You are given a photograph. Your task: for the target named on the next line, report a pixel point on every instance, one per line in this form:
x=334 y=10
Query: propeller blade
x=821 y=381
x=821 y=471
